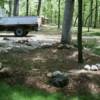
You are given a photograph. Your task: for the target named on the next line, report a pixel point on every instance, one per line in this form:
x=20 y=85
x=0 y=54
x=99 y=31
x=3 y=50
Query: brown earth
x=48 y=59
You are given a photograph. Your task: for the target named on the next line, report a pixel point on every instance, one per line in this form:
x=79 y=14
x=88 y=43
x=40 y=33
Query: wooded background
x=53 y=10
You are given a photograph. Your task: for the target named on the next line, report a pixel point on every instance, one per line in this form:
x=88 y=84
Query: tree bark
x=27 y=7
x=58 y=14
x=96 y=14
x=75 y=20
x=89 y=16
x=16 y=8
x=10 y=7
x=91 y=6
x=80 y=53
x=67 y=22
x=39 y=7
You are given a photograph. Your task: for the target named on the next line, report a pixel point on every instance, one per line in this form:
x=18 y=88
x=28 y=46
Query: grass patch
x=96 y=51
x=18 y=92
x=91 y=43
x=91 y=33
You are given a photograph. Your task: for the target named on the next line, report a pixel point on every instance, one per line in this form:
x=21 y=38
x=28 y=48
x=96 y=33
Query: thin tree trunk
x=55 y=15
x=75 y=20
x=16 y=8
x=89 y=16
x=51 y=13
x=96 y=14
x=27 y=7
x=84 y=9
x=39 y=8
x=90 y=19
x=58 y=14
x=91 y=6
x=67 y=22
x=10 y=7
x=80 y=54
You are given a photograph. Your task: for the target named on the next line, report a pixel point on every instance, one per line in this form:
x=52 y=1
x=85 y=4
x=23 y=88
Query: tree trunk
x=75 y=20
x=90 y=19
x=10 y=7
x=91 y=6
x=84 y=9
x=80 y=54
x=96 y=14
x=67 y=22
x=16 y=8
x=58 y=14
x=27 y=7
x=87 y=18
x=39 y=8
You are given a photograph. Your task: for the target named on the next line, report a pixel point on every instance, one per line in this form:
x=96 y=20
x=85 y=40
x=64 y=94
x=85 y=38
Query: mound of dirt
x=44 y=60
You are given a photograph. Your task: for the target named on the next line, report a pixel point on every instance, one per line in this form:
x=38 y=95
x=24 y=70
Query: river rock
x=94 y=68
x=87 y=67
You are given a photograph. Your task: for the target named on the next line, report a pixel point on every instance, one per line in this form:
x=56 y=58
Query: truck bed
x=25 y=20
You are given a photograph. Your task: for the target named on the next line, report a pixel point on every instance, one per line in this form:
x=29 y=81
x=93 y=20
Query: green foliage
x=49 y=9
x=18 y=92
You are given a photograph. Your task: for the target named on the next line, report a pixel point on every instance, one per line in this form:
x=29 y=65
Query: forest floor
x=27 y=61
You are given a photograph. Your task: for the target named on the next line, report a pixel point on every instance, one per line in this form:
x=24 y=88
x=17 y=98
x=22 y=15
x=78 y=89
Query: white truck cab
x=20 y=25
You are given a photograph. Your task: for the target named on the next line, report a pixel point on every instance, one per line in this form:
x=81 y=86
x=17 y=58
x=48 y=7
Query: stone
x=57 y=73
x=98 y=65
x=87 y=67
x=49 y=74
x=94 y=68
x=59 y=81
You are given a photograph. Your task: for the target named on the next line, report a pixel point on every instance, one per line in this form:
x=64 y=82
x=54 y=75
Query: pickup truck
x=20 y=25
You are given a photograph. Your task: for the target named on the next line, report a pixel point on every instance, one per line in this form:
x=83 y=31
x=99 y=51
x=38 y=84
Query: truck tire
x=19 y=32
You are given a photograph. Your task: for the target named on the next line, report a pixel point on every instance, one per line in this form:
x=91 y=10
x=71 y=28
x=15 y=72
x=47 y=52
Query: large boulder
x=58 y=79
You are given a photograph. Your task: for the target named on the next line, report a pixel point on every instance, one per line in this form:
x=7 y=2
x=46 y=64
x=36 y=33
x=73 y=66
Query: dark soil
x=30 y=69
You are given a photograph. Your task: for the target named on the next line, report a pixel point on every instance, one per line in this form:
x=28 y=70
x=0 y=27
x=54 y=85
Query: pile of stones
x=58 y=79
x=94 y=67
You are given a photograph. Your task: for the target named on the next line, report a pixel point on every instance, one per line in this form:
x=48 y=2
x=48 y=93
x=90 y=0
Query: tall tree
x=10 y=7
x=58 y=14
x=27 y=7
x=91 y=6
x=67 y=22
x=96 y=14
x=39 y=7
x=16 y=8
x=80 y=54
x=91 y=16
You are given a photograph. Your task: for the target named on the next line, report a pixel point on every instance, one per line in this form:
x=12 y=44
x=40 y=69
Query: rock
x=59 y=81
x=49 y=75
x=63 y=46
x=87 y=67
x=57 y=73
x=98 y=65
x=94 y=68
x=5 y=72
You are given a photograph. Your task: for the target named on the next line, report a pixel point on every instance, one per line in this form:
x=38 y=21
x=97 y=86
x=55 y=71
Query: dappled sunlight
x=38 y=58
x=94 y=88
x=73 y=55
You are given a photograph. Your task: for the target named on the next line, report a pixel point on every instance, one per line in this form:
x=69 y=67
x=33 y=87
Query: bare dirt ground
x=30 y=58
